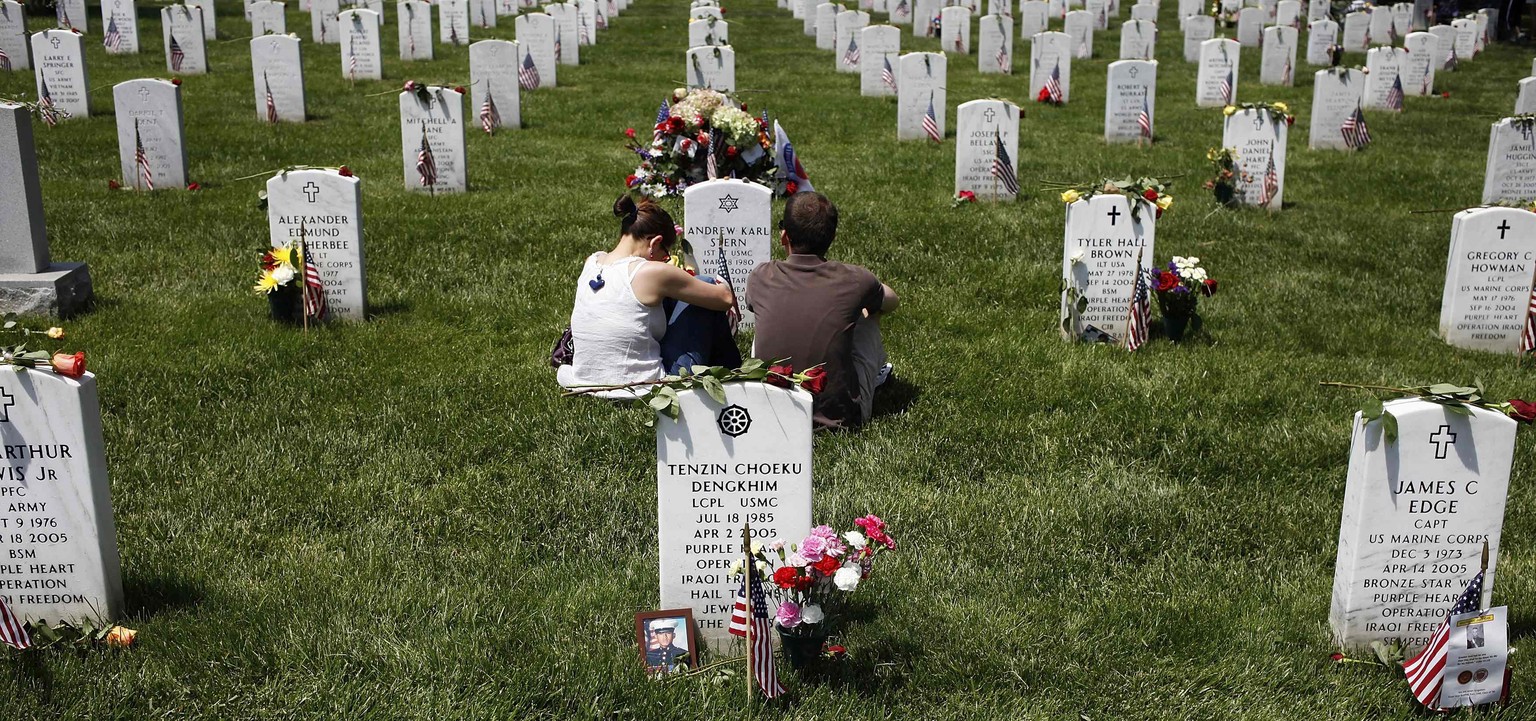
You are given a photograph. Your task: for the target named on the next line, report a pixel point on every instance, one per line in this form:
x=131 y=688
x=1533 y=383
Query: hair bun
x=625 y=209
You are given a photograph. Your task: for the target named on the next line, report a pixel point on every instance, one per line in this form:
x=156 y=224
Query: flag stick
x=751 y=569
x=1130 y=311
x=303 y=280
x=1481 y=602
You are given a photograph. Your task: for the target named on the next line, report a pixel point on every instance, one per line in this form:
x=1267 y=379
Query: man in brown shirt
x=813 y=311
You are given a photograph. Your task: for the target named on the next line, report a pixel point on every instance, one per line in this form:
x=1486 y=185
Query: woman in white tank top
x=620 y=327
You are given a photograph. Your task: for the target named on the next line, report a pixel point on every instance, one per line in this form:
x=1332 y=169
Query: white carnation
x=857 y=539
x=282 y=274
x=847 y=578
x=811 y=614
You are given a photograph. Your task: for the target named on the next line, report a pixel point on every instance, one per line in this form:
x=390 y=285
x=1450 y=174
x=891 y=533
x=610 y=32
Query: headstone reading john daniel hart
x=60 y=540
x=121 y=20
x=1336 y=93
x=181 y=29
x=277 y=68
x=879 y=57
x=712 y=67
x=1216 y=82
x=1511 y=169
x=1131 y=103
x=730 y=220
x=30 y=282
x=720 y=466
x=848 y=52
x=13 y=37
x=1417 y=511
x=1105 y=236
x=415 y=26
x=1050 y=57
x=59 y=56
x=1138 y=40
x=995 y=46
x=432 y=140
x=325 y=208
x=1197 y=30
x=536 y=37
x=268 y=18
x=149 y=122
x=493 y=87
x=1259 y=137
x=362 y=56
x=1419 y=67
x=920 y=86
x=987 y=149
x=1488 y=279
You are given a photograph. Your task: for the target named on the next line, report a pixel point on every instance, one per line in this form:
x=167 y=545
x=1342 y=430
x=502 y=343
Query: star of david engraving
x=728 y=203
x=733 y=420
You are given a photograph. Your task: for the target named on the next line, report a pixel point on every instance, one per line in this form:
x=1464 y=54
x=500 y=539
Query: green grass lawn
x=402 y=519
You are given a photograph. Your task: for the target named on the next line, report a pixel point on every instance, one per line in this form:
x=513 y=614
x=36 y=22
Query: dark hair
x=644 y=219
x=810 y=220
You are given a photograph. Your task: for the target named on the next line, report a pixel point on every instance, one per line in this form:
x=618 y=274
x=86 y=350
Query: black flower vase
x=285 y=304
x=802 y=649
x=1226 y=194
x=1175 y=326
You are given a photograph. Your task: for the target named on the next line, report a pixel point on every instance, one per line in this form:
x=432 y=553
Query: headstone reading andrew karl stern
x=1322 y=35
x=995 y=46
x=325 y=209
x=432 y=140
x=1130 y=105
x=13 y=37
x=879 y=57
x=149 y=123
x=1417 y=511
x=1105 y=237
x=720 y=466
x=493 y=91
x=121 y=20
x=1278 y=64
x=267 y=18
x=712 y=67
x=362 y=55
x=1216 y=83
x=1197 y=30
x=981 y=166
x=920 y=94
x=181 y=30
x=30 y=283
x=277 y=68
x=1511 y=169
x=1488 y=278
x=415 y=21
x=59 y=538
x=1336 y=93
x=536 y=37
x=1260 y=140
x=1050 y=56
x=730 y=221
x=59 y=56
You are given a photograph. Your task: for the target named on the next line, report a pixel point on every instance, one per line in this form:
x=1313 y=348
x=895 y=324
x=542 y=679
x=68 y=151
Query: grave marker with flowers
x=321 y=210
x=1256 y=133
x=729 y=223
x=1110 y=233
x=690 y=126
x=1050 y=68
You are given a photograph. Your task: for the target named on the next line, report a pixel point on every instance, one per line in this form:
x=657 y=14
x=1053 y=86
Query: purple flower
x=788 y=614
x=1180 y=289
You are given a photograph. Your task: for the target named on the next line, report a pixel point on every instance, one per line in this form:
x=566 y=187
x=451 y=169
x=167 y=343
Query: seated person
x=620 y=331
x=813 y=311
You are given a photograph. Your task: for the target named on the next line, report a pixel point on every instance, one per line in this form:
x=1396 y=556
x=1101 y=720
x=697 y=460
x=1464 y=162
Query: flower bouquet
x=1179 y=287
x=1224 y=184
x=813 y=579
x=699 y=132
x=1151 y=190
x=281 y=281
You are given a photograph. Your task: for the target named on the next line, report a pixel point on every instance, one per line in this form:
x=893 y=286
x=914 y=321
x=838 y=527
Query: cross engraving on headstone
x=1133 y=71
x=1443 y=439
x=1114 y=214
x=1503 y=228
x=1258 y=121
x=311 y=191
x=990 y=115
x=144 y=95
x=5 y=408
x=54 y=42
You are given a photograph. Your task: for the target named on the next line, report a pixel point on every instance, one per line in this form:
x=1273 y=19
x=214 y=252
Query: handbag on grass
x=564 y=350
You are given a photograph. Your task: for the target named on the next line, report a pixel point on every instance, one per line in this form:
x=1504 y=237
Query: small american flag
x=1528 y=335
x=1424 y=670
x=528 y=73
x=734 y=313
x=931 y=123
x=1227 y=84
x=661 y=117
x=351 y=64
x=901 y=8
x=178 y=56
x=711 y=159
x=12 y=632
x=453 y=33
x=1053 y=83
x=141 y=160
x=1140 y=315
x=760 y=650
x=5 y=60
x=887 y=75
x=271 y=102
x=426 y=165
x=314 y=288
x=1451 y=61
x=1285 y=72
x=45 y=106
x=490 y=119
x=557 y=46
x=64 y=15
x=602 y=21
x=1395 y=94
x=1424 y=88
x=851 y=57
x=1144 y=119
x=1004 y=63
x=1356 y=134
x=1271 y=186
x=113 y=38
x=582 y=38
x=1002 y=165
x=960 y=42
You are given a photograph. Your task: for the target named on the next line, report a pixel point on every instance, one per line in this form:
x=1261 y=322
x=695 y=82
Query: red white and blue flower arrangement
x=699 y=129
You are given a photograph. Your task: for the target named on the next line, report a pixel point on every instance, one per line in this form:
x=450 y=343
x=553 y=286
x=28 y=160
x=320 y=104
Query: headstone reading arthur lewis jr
x=325 y=209
x=149 y=119
x=1417 y=510
x=277 y=68
x=432 y=140
x=720 y=466
x=981 y=166
x=1422 y=62
x=730 y=222
x=30 y=283
x=58 y=536
x=1511 y=169
x=1106 y=236
x=59 y=56
x=1488 y=278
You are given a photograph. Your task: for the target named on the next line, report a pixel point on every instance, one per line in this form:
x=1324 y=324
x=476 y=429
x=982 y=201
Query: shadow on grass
x=894 y=398
x=388 y=308
x=147 y=597
x=31 y=673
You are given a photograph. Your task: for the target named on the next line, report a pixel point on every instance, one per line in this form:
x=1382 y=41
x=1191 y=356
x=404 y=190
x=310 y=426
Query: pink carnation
x=813 y=548
x=824 y=531
x=874 y=528
x=796 y=560
x=788 y=614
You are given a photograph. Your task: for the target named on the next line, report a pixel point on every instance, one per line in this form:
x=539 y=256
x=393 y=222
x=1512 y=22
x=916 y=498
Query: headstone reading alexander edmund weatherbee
x=1417 y=511
x=324 y=209
x=720 y=466
x=1488 y=277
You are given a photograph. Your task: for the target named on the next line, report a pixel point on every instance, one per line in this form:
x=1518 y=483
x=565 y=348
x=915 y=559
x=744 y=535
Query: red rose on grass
x=1336 y=657
x=1149 y=194
x=1522 y=411
x=1208 y=287
x=815 y=380
x=344 y=171
x=114 y=185
x=176 y=82
x=69 y=366
x=827 y=565
x=1445 y=94
x=836 y=652
x=410 y=86
x=194 y=186
x=791 y=188
x=1159 y=213
x=779 y=375
x=1167 y=280
x=629 y=133
x=966 y=196
x=785 y=577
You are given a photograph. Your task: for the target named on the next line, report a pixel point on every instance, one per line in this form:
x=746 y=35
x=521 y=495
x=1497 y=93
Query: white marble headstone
x=920 y=85
x=453 y=22
x=361 y=51
x=826 y=25
x=1099 y=11
x=13 y=37
x=1188 y=9
x=1318 y=9
x=1480 y=37
x=59 y=57
x=1032 y=18
x=1050 y=52
x=1216 y=83
x=1003 y=8
x=322 y=22
x=900 y=11
x=1131 y=89
x=568 y=29
x=1446 y=35
x=733 y=218
x=926 y=18
x=1288 y=13
x=268 y=18
x=848 y=51
x=1423 y=53
x=1336 y=92
x=1357 y=32
x=1488 y=279
x=979 y=125
x=1511 y=169
x=1138 y=40
x=1250 y=26
x=121 y=22
x=536 y=38
x=1144 y=12
x=586 y=18
x=482 y=13
x=1079 y=29
x=415 y=29
x=1322 y=35
x=23 y=234
x=708 y=32
x=1466 y=38
x=493 y=75
x=1197 y=30
x=1525 y=99
x=74 y=14
x=277 y=66
x=712 y=67
x=326 y=209
x=184 y=26
x=1278 y=62
x=1382 y=32
x=437 y=121
x=1402 y=19
x=995 y=46
x=956 y=35
x=705 y=11
x=150 y=109
x=1105 y=236
x=1384 y=66
x=880 y=50
x=1260 y=141
x=62 y=542
x=506 y=8
x=719 y=467
x=1416 y=514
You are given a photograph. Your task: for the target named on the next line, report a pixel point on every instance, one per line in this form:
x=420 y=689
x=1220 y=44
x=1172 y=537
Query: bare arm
x=658 y=281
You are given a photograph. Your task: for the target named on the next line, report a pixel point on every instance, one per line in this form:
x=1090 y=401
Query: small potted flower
x=276 y=280
x=1179 y=287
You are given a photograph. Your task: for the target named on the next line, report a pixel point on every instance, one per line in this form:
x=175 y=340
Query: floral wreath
x=1138 y=190
x=1278 y=112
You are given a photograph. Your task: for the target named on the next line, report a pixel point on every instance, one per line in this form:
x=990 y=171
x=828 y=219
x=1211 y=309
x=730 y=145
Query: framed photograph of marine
x=666 y=641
